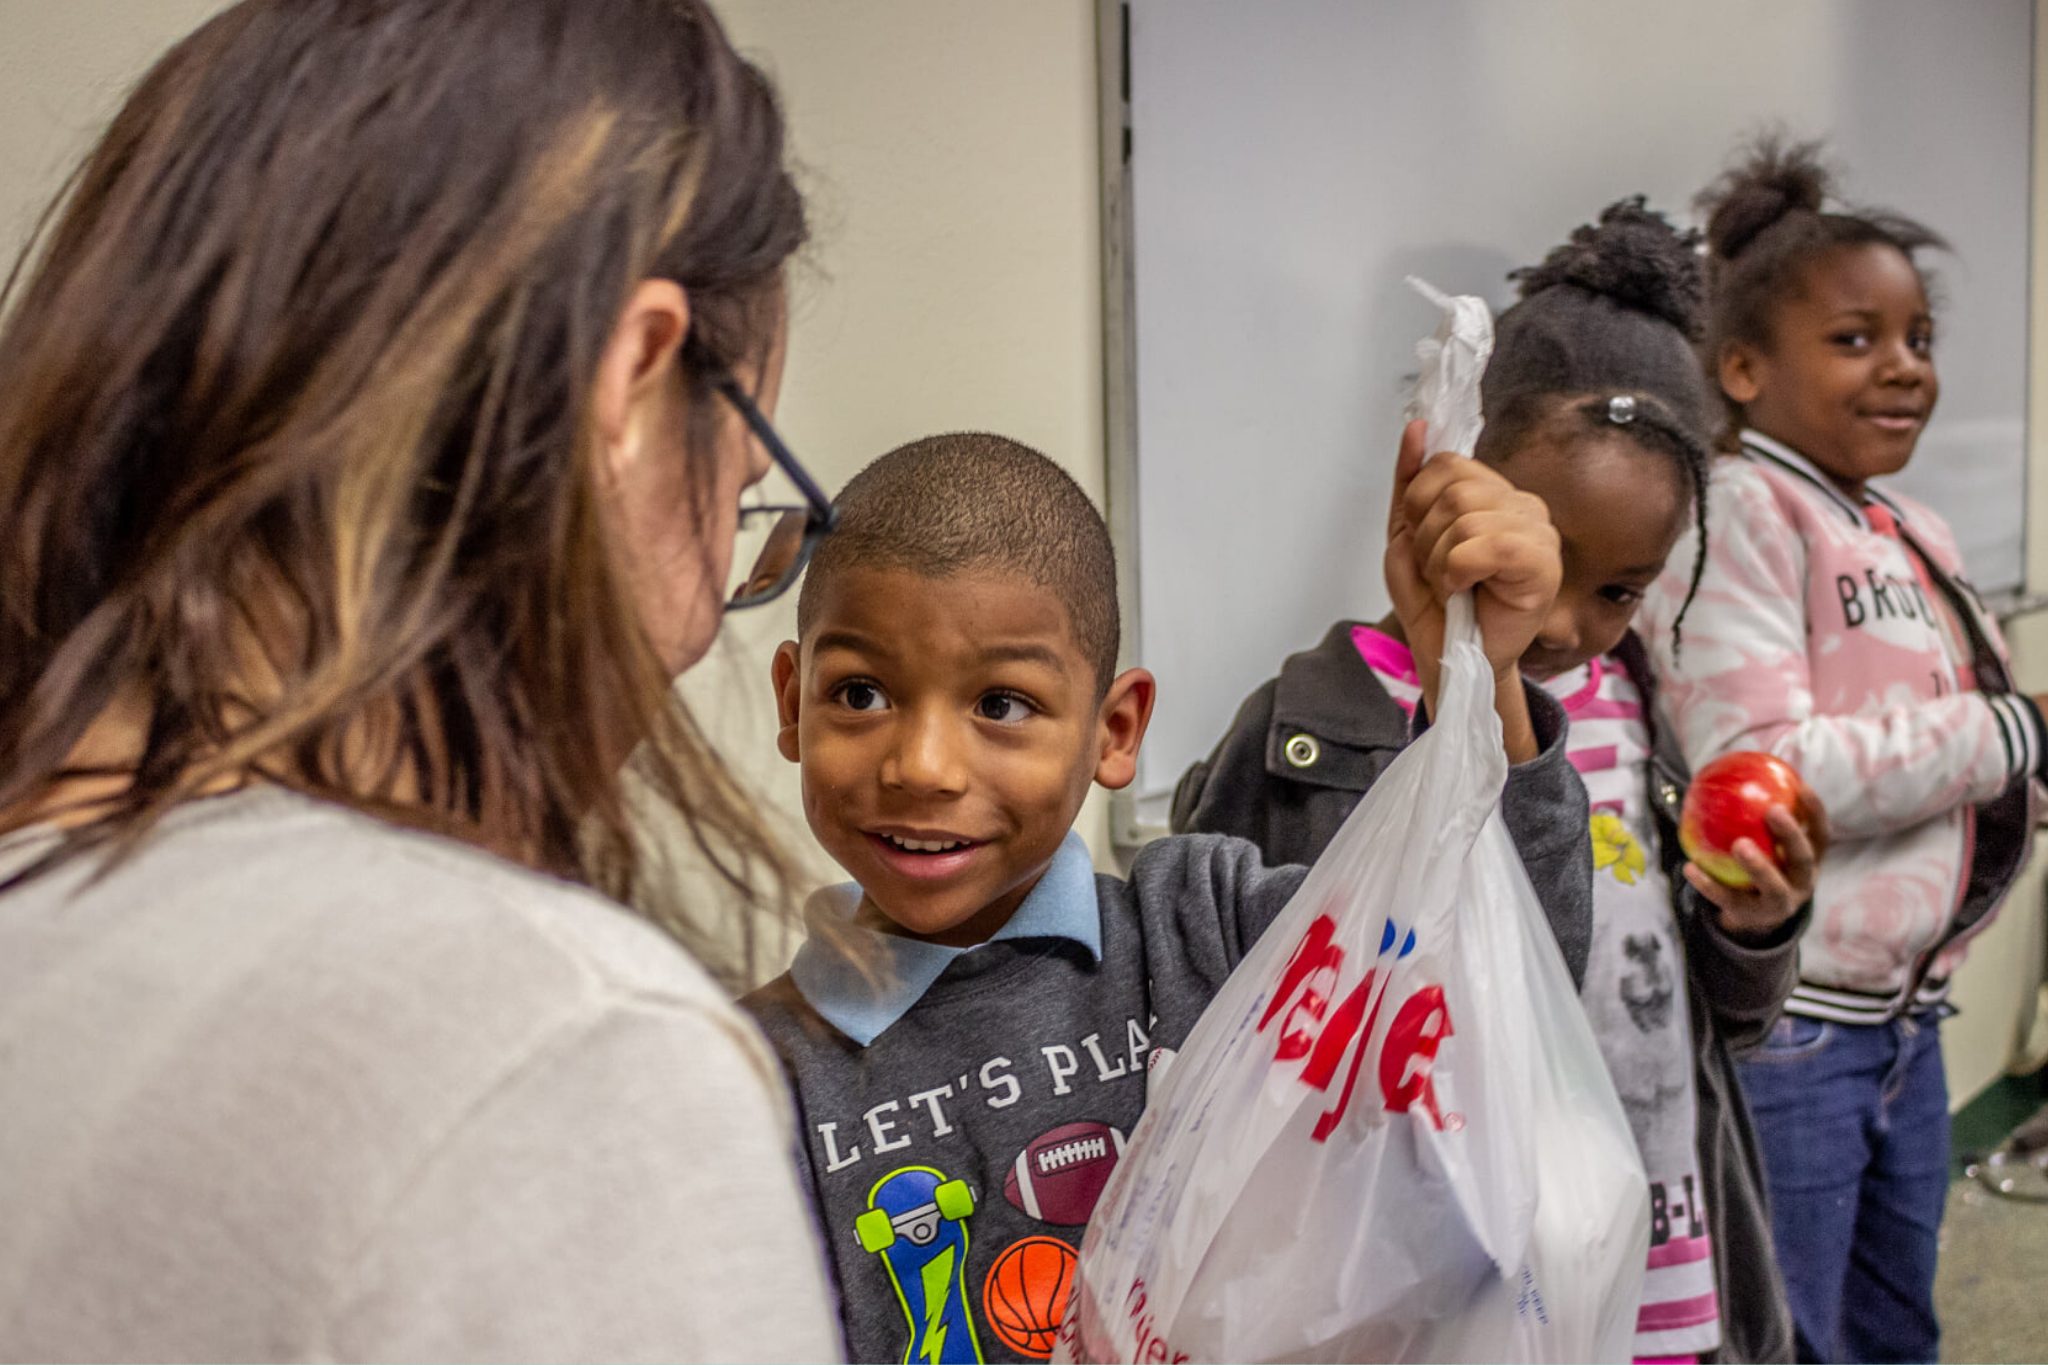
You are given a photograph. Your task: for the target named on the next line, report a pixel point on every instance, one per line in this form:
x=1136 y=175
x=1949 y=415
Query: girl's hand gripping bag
x=1391 y=1136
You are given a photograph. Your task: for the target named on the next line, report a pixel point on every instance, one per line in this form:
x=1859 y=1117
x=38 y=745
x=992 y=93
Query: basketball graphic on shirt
x=1060 y=1173
x=1025 y=1296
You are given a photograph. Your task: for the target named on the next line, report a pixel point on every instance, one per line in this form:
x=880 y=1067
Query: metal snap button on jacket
x=1302 y=751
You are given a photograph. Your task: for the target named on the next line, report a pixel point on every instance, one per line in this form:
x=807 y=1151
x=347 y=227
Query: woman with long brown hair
x=378 y=404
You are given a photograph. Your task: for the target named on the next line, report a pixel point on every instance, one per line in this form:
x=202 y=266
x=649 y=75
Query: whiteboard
x=1291 y=160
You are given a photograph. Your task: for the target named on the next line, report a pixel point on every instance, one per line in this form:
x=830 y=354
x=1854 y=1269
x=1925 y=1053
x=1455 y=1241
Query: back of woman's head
x=1767 y=224
x=297 y=457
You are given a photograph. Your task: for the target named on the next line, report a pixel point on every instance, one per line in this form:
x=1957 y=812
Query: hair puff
x=1772 y=177
x=1634 y=257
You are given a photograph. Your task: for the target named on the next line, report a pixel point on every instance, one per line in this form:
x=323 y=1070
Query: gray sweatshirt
x=292 y=1084
x=957 y=1156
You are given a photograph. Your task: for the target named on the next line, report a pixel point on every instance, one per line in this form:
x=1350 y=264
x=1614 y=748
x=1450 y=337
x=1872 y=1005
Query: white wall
x=64 y=65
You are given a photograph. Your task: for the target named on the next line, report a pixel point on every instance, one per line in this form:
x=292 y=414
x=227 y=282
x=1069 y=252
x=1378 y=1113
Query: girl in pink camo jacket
x=1833 y=626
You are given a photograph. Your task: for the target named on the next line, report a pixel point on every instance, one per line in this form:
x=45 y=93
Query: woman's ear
x=1124 y=714
x=1740 y=372
x=637 y=357
x=787 y=673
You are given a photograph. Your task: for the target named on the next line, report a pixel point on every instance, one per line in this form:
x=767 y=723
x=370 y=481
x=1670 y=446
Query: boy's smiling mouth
x=925 y=845
x=924 y=855
x=921 y=838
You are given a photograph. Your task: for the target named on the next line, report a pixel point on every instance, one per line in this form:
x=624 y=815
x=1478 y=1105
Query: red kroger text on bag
x=1309 y=1029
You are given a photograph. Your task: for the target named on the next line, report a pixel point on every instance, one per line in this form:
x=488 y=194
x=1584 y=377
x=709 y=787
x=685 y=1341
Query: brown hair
x=298 y=392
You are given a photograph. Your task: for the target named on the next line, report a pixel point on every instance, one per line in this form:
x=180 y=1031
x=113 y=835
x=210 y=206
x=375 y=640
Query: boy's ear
x=789 y=689
x=1125 y=713
x=1738 y=372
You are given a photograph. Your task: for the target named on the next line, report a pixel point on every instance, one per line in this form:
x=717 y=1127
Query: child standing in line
x=1594 y=401
x=967 y=1081
x=1834 y=628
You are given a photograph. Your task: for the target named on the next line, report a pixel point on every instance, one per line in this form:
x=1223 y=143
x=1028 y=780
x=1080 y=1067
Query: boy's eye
x=1853 y=341
x=1621 y=595
x=1921 y=342
x=1003 y=707
x=859 y=696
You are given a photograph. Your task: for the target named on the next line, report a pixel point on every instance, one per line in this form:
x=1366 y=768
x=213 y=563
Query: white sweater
x=291 y=1084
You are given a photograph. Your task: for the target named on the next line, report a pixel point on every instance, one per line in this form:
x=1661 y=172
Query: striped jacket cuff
x=1863 y=1007
x=2021 y=726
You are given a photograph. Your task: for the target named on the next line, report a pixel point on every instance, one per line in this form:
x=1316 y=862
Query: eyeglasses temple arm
x=822 y=509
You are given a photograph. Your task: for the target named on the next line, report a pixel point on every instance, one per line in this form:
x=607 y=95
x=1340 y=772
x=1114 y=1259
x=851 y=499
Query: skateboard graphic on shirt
x=916 y=1221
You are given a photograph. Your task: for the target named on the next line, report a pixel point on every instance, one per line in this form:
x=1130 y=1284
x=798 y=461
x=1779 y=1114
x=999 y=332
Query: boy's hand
x=1774 y=895
x=1456 y=524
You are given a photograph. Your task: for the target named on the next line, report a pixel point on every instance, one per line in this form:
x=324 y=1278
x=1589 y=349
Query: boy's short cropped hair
x=952 y=504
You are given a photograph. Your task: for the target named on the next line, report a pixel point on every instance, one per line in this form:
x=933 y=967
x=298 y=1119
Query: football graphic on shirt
x=1060 y=1173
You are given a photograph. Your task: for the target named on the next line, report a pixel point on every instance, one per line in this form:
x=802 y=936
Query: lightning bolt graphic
x=938 y=1289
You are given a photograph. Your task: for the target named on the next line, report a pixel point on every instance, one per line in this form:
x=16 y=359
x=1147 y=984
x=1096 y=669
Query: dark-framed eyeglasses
x=775 y=540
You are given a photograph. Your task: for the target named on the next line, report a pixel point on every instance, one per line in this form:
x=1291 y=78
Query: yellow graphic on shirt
x=1615 y=848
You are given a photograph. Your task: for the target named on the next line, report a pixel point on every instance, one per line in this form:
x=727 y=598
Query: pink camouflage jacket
x=1817 y=636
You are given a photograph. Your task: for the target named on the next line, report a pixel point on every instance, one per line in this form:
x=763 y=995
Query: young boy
x=970 y=1025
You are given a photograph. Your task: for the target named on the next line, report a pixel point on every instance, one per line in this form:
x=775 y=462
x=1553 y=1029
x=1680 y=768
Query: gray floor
x=1992 y=1289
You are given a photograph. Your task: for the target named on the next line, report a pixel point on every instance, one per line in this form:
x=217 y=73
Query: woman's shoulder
x=391 y=886
x=306 y=894
x=391 y=978
x=383 y=1033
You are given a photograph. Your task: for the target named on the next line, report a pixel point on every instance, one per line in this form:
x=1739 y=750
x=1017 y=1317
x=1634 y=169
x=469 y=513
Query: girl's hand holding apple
x=1755 y=834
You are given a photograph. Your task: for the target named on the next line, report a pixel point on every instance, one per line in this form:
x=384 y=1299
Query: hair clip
x=1621 y=409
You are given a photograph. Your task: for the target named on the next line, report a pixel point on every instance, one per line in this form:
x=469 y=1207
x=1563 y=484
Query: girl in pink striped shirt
x=1595 y=402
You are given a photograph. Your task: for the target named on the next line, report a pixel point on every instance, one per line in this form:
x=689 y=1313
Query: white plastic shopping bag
x=1391 y=1136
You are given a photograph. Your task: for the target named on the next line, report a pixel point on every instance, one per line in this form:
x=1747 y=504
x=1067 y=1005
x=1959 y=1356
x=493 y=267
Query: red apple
x=1727 y=802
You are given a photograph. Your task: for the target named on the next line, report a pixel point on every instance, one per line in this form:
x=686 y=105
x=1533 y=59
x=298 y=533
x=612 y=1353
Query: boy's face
x=948 y=730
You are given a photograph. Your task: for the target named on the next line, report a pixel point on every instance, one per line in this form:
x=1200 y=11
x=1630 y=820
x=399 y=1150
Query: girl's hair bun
x=1773 y=177
x=1634 y=257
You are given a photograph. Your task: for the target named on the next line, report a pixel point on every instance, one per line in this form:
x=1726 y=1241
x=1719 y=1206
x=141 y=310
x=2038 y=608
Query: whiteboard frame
x=1132 y=822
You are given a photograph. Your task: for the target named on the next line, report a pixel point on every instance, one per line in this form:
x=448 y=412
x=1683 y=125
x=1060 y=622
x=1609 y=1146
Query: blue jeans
x=1853 y=1120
